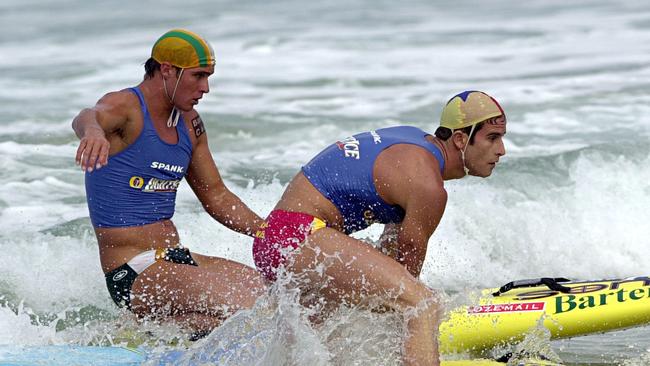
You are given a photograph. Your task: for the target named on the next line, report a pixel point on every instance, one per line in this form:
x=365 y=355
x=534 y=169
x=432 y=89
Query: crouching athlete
x=392 y=176
x=136 y=146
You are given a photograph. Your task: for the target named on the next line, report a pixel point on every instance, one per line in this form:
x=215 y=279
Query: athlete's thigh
x=346 y=269
x=227 y=272
x=215 y=284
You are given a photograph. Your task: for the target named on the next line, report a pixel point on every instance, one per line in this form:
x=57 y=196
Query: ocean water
x=570 y=198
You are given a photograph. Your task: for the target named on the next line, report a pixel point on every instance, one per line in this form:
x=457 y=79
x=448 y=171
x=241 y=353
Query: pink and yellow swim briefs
x=282 y=232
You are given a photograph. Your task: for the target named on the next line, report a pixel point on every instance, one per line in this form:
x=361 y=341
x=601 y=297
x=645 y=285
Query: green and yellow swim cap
x=183 y=49
x=469 y=108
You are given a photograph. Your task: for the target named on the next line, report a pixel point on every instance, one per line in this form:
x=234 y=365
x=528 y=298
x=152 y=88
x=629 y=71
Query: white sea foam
x=588 y=227
x=18 y=329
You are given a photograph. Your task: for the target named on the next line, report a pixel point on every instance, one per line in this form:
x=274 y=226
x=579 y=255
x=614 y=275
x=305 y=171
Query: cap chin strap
x=172 y=121
x=462 y=152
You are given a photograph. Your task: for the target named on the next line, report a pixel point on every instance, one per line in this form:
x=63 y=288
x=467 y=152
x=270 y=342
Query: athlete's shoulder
x=410 y=161
x=119 y=99
x=409 y=172
x=117 y=108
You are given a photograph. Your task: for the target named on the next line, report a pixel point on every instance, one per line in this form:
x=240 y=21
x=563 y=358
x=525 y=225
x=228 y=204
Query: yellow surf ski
x=565 y=308
x=482 y=362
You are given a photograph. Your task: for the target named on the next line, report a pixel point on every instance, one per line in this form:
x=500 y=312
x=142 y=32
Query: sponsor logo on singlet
x=375 y=137
x=350 y=147
x=154 y=184
x=161 y=185
x=167 y=167
x=119 y=275
x=369 y=217
x=136 y=182
x=506 y=308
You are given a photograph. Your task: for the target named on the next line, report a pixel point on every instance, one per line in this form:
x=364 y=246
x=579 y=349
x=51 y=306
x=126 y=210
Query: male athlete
x=392 y=176
x=136 y=146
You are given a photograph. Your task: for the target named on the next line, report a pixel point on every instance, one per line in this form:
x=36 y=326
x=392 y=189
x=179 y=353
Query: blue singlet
x=343 y=174
x=138 y=186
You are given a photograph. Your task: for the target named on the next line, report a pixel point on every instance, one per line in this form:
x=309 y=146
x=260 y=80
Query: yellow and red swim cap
x=469 y=108
x=183 y=49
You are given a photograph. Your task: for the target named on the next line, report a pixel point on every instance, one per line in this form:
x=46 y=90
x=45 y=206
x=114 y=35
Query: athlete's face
x=483 y=155
x=193 y=84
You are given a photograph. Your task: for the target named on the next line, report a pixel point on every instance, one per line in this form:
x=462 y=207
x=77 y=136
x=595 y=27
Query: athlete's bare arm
x=98 y=127
x=205 y=180
x=424 y=210
x=415 y=185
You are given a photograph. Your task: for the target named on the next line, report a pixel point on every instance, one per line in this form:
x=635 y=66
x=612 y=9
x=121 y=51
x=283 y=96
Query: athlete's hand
x=93 y=150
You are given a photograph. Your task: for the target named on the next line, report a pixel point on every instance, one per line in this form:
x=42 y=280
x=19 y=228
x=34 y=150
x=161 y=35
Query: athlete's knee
x=418 y=295
x=247 y=290
x=425 y=311
x=431 y=304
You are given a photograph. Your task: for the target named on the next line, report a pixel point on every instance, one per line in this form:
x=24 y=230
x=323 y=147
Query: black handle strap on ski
x=551 y=283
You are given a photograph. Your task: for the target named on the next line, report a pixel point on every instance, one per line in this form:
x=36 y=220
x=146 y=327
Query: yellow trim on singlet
x=260 y=232
x=160 y=253
x=317 y=224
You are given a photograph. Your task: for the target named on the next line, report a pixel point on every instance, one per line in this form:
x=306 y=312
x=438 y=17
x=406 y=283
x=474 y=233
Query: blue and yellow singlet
x=138 y=186
x=343 y=174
